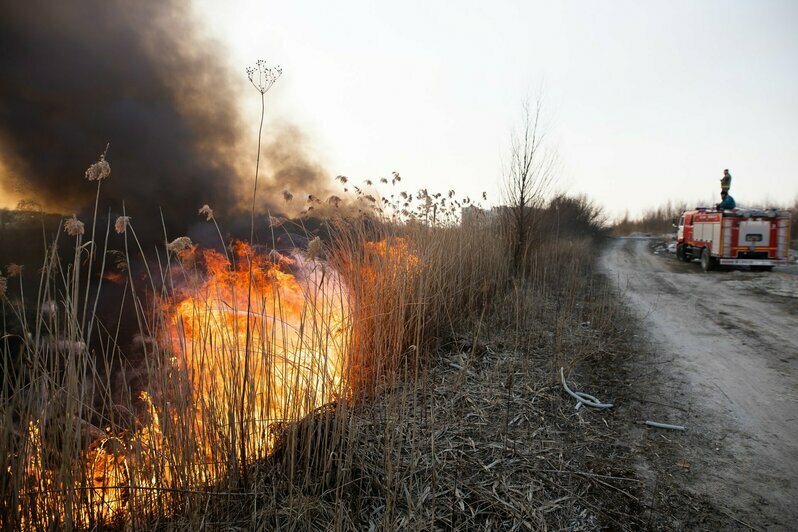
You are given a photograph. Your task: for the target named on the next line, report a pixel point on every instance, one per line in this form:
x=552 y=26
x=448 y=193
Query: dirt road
x=724 y=362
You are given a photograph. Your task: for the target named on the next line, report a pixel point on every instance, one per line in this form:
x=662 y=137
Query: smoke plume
x=77 y=75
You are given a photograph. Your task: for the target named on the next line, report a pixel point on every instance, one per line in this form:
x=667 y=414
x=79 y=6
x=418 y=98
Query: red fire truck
x=758 y=238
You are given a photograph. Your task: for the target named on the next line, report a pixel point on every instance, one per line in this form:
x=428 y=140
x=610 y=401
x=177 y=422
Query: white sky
x=647 y=101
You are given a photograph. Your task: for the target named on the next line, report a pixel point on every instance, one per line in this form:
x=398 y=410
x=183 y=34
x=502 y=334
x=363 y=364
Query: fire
x=389 y=259
x=262 y=340
x=248 y=341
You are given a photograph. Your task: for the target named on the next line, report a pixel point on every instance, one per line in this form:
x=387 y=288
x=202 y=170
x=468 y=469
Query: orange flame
x=261 y=344
x=255 y=341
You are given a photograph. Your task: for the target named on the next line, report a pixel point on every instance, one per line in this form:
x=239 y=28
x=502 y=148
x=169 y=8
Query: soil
x=717 y=353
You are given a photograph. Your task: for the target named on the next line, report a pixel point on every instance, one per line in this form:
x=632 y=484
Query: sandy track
x=725 y=351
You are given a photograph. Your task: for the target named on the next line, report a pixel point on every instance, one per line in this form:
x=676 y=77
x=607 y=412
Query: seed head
x=121 y=224
x=179 y=244
x=335 y=201
x=14 y=270
x=287 y=196
x=207 y=211
x=262 y=76
x=314 y=247
x=73 y=226
x=99 y=170
x=342 y=178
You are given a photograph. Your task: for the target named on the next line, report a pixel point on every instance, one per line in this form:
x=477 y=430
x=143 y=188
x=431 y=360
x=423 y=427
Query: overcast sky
x=645 y=101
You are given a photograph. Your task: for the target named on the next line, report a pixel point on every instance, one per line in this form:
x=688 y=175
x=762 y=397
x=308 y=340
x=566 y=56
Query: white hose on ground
x=664 y=425
x=582 y=398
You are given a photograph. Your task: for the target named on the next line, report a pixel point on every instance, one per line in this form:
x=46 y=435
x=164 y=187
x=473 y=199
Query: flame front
x=248 y=343
x=260 y=345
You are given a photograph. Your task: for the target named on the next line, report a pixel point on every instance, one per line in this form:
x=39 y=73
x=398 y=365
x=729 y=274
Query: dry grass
x=481 y=439
x=408 y=428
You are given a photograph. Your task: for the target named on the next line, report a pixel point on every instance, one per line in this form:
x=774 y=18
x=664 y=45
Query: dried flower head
x=14 y=270
x=73 y=226
x=371 y=198
x=369 y=182
x=314 y=247
x=121 y=224
x=335 y=201
x=396 y=178
x=287 y=196
x=99 y=170
x=342 y=178
x=262 y=76
x=3 y=286
x=384 y=180
x=207 y=211
x=179 y=244
x=313 y=199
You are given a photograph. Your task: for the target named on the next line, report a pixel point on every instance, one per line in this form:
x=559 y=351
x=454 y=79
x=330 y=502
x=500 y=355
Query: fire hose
x=589 y=400
x=581 y=397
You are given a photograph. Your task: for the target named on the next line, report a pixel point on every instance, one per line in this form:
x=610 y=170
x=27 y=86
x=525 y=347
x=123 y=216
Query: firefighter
x=727 y=201
x=725 y=182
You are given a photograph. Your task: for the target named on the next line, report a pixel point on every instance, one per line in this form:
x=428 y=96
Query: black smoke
x=77 y=75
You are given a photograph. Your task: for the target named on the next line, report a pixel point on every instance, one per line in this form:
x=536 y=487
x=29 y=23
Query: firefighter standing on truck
x=725 y=182
x=727 y=202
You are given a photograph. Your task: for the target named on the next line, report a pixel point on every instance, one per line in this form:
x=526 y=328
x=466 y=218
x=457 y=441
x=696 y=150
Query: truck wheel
x=680 y=252
x=707 y=262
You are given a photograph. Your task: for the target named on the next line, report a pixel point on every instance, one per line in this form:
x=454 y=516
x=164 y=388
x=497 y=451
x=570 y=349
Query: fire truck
x=758 y=238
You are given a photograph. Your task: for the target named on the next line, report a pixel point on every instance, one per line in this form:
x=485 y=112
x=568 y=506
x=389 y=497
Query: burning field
x=349 y=373
x=316 y=354
x=234 y=345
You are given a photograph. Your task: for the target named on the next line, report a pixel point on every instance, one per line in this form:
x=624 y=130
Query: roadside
x=718 y=353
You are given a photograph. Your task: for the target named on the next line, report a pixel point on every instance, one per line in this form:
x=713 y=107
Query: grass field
x=268 y=386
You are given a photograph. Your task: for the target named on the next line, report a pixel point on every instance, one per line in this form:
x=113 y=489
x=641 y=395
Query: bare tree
x=528 y=176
